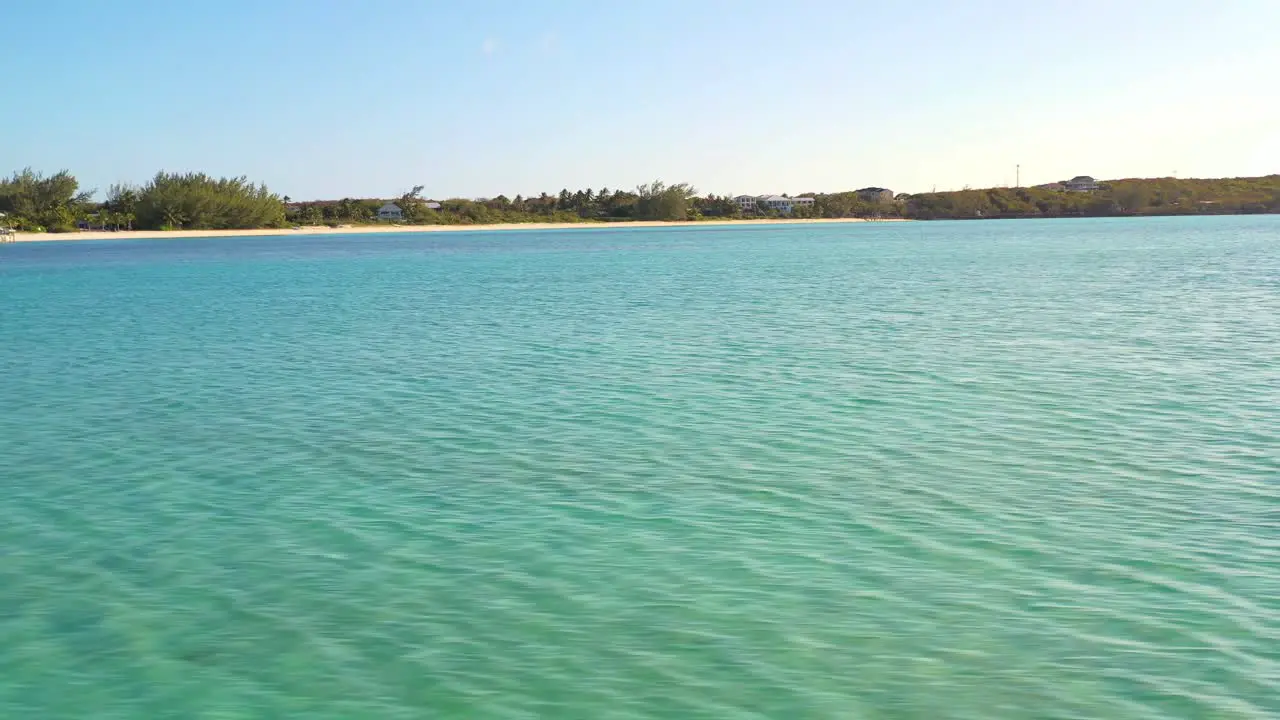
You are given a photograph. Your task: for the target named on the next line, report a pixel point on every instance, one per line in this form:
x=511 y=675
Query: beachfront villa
x=390 y=211
x=777 y=203
x=784 y=204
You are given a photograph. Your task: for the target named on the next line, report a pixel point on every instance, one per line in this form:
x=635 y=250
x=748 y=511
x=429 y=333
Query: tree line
x=656 y=201
x=34 y=202
x=652 y=201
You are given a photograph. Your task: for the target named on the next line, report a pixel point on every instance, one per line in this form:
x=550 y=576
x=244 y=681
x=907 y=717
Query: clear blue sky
x=320 y=98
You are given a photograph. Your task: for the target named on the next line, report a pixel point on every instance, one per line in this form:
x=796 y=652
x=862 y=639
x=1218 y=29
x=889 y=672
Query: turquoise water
x=921 y=470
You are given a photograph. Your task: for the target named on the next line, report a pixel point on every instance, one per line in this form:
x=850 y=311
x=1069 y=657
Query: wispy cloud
x=489 y=46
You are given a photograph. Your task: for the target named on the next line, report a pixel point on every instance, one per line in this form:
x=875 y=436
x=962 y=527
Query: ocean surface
x=916 y=470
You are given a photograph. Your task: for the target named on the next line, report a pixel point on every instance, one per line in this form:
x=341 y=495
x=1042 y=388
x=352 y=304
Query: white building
x=390 y=211
x=746 y=203
x=782 y=203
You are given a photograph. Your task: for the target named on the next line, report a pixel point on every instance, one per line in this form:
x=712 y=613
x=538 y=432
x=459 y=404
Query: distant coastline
x=385 y=229
x=196 y=204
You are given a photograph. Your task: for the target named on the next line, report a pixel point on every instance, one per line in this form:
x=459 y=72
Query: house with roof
x=801 y=202
x=782 y=203
x=1081 y=183
x=875 y=194
x=390 y=211
x=776 y=203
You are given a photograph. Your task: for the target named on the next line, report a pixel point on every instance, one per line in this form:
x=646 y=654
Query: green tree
x=32 y=200
x=1132 y=197
x=198 y=201
x=122 y=202
x=659 y=201
x=718 y=206
x=412 y=205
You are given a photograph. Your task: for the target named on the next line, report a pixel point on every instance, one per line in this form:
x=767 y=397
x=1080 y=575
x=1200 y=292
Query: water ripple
x=1006 y=470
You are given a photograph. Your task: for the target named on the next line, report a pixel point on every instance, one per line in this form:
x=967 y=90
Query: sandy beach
x=372 y=229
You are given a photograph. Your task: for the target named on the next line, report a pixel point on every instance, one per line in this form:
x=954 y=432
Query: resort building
x=390 y=211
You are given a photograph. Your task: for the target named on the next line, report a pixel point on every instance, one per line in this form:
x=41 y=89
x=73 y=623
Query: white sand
x=367 y=229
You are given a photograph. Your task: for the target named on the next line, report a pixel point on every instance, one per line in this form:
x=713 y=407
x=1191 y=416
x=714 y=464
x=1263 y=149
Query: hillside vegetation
x=1156 y=196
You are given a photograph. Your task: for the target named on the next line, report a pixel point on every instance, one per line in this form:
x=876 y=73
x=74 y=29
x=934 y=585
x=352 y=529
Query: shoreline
x=382 y=229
